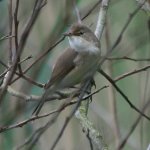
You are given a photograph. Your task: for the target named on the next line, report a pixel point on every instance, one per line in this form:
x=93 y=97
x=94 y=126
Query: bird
x=77 y=64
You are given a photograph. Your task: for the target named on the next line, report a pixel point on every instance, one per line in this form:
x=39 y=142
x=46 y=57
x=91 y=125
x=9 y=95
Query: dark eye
x=81 y=32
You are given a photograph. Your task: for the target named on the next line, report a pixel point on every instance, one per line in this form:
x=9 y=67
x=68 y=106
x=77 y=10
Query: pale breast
x=83 y=46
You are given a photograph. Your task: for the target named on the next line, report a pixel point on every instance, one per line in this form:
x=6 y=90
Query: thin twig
x=8 y=68
x=21 y=45
x=83 y=90
x=3 y=74
x=30 y=80
x=131 y=73
x=38 y=133
x=119 y=38
x=123 y=142
x=90 y=141
x=10 y=54
x=22 y=75
x=123 y=95
x=90 y=10
x=128 y=58
x=111 y=91
x=33 y=118
x=6 y=37
x=16 y=24
x=39 y=58
x=25 y=59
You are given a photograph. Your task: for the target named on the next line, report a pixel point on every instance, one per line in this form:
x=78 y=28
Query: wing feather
x=62 y=67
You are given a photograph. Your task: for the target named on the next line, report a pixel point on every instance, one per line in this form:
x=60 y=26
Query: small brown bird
x=77 y=64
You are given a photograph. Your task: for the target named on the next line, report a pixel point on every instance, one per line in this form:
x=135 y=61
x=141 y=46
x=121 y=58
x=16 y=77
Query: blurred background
x=108 y=111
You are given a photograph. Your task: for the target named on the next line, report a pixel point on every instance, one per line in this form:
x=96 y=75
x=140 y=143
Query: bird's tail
x=39 y=105
x=42 y=101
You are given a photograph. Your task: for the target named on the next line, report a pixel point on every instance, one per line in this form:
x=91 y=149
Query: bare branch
x=83 y=90
x=111 y=92
x=16 y=23
x=33 y=118
x=132 y=73
x=77 y=12
x=101 y=19
x=123 y=95
x=6 y=37
x=39 y=58
x=90 y=10
x=122 y=144
x=22 y=75
x=10 y=57
x=119 y=38
x=21 y=45
x=128 y=58
x=38 y=133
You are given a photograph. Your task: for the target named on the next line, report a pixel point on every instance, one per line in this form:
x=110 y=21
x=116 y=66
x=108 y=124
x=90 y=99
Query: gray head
x=82 y=31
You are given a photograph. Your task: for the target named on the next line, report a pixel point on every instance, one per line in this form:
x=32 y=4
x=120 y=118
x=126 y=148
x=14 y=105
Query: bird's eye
x=81 y=32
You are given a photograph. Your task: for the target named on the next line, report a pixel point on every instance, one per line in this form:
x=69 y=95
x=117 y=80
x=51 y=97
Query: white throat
x=83 y=46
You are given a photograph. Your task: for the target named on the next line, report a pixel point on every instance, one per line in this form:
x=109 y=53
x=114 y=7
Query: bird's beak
x=67 y=34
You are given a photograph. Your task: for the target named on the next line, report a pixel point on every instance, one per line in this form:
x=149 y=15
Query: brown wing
x=62 y=67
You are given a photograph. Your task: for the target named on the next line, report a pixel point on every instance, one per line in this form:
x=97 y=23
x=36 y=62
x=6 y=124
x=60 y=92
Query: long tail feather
x=47 y=92
x=40 y=104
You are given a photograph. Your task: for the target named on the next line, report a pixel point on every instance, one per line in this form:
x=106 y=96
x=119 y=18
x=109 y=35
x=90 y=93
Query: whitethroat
x=77 y=64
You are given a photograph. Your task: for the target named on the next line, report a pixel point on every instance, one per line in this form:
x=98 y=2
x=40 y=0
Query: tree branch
x=123 y=95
